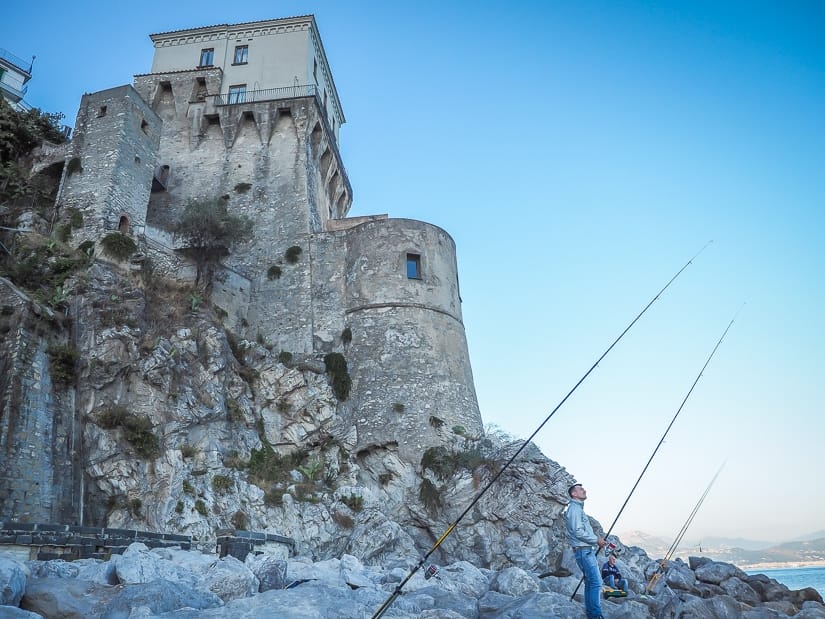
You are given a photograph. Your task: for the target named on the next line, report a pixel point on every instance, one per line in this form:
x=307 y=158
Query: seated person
x=612 y=576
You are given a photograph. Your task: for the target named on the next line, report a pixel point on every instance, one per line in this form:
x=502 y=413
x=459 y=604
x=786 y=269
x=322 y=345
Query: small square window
x=237 y=93
x=241 y=54
x=413 y=266
x=101 y=111
x=207 y=55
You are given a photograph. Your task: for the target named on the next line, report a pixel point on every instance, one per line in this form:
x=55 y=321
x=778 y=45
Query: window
x=413 y=266
x=101 y=111
x=237 y=93
x=206 y=57
x=241 y=54
x=315 y=70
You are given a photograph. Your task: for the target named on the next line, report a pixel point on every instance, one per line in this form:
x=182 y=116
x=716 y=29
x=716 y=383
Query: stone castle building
x=249 y=113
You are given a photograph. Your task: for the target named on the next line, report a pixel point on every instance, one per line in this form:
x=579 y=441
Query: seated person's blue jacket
x=610 y=570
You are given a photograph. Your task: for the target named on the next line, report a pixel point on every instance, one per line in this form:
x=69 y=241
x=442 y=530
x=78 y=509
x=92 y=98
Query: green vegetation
x=274 y=272
x=430 y=496
x=200 y=507
x=188 y=451
x=385 y=478
x=62 y=362
x=284 y=357
x=354 y=502
x=221 y=483
x=239 y=520
x=75 y=218
x=343 y=520
x=135 y=505
x=234 y=412
x=312 y=469
x=293 y=254
x=267 y=466
x=234 y=461
x=187 y=487
x=445 y=463
x=118 y=246
x=209 y=231
x=179 y=507
x=459 y=430
x=74 y=166
x=336 y=367
x=137 y=430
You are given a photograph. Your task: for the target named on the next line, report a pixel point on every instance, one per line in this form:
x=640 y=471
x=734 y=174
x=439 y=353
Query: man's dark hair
x=570 y=490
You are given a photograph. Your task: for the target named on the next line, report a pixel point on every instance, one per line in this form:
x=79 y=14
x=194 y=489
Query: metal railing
x=270 y=94
x=16 y=61
x=13 y=92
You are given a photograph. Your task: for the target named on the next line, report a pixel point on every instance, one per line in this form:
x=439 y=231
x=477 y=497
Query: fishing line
x=398 y=589
x=662 y=440
x=663 y=565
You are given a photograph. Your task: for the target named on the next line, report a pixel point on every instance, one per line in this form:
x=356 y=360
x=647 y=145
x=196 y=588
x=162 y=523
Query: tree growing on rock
x=209 y=231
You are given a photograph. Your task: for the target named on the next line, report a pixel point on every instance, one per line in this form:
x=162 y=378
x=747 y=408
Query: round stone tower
x=412 y=381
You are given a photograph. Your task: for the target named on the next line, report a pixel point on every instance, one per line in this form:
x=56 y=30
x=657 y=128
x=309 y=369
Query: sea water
x=797 y=577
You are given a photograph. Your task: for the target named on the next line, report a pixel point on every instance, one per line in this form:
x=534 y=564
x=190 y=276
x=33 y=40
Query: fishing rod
x=662 y=440
x=663 y=565
x=397 y=591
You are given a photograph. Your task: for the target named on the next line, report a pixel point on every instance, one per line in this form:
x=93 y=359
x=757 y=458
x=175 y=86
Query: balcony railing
x=13 y=92
x=270 y=94
x=16 y=61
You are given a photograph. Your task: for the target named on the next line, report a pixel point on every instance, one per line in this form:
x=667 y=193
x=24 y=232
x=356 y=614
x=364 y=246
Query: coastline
x=781 y=565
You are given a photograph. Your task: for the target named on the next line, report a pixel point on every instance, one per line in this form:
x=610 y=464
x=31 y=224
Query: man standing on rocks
x=582 y=539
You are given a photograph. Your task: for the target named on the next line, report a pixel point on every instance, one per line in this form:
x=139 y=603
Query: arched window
x=124 y=226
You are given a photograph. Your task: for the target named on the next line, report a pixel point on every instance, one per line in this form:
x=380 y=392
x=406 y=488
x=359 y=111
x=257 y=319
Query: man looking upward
x=583 y=539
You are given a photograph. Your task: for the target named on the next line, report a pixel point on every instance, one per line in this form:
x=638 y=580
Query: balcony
x=18 y=62
x=270 y=94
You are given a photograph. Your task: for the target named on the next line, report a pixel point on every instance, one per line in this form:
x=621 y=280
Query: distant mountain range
x=739 y=551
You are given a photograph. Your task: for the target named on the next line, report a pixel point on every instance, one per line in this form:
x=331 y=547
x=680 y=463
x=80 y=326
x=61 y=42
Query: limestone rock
x=12 y=581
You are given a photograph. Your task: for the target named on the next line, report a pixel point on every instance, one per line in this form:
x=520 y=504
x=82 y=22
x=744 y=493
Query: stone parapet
x=44 y=541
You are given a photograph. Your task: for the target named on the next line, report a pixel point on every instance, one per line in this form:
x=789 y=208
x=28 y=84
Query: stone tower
x=249 y=114
x=112 y=160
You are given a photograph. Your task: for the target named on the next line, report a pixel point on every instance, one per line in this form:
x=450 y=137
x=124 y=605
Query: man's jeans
x=586 y=560
x=610 y=581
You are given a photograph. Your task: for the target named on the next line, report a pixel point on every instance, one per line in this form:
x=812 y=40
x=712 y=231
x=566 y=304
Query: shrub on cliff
x=336 y=366
x=209 y=231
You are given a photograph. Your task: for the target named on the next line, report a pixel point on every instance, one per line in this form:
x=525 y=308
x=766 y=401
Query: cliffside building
x=14 y=74
x=249 y=114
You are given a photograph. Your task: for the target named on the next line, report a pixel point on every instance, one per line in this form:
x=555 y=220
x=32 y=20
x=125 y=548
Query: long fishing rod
x=397 y=591
x=663 y=565
x=662 y=440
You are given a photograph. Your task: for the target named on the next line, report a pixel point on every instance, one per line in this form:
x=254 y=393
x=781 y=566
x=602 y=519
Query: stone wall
x=109 y=173
x=45 y=542
x=412 y=381
x=37 y=475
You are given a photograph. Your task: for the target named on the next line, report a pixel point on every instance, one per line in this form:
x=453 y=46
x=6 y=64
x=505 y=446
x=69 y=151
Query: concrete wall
x=114 y=149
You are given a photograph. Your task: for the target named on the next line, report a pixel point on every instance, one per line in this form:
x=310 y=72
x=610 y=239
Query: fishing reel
x=431 y=571
x=614 y=548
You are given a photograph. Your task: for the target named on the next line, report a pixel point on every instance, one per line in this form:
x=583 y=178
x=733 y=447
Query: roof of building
x=246 y=23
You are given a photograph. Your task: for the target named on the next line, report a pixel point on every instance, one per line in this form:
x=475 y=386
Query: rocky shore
x=173 y=583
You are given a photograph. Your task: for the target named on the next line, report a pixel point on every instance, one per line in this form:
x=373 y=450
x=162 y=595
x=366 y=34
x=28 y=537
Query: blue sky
x=579 y=154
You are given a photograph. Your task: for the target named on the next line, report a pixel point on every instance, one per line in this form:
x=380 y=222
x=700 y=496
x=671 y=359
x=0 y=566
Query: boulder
x=158 y=596
x=270 y=571
x=12 y=612
x=139 y=564
x=66 y=598
x=12 y=581
x=714 y=573
x=740 y=590
x=230 y=579
x=516 y=582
